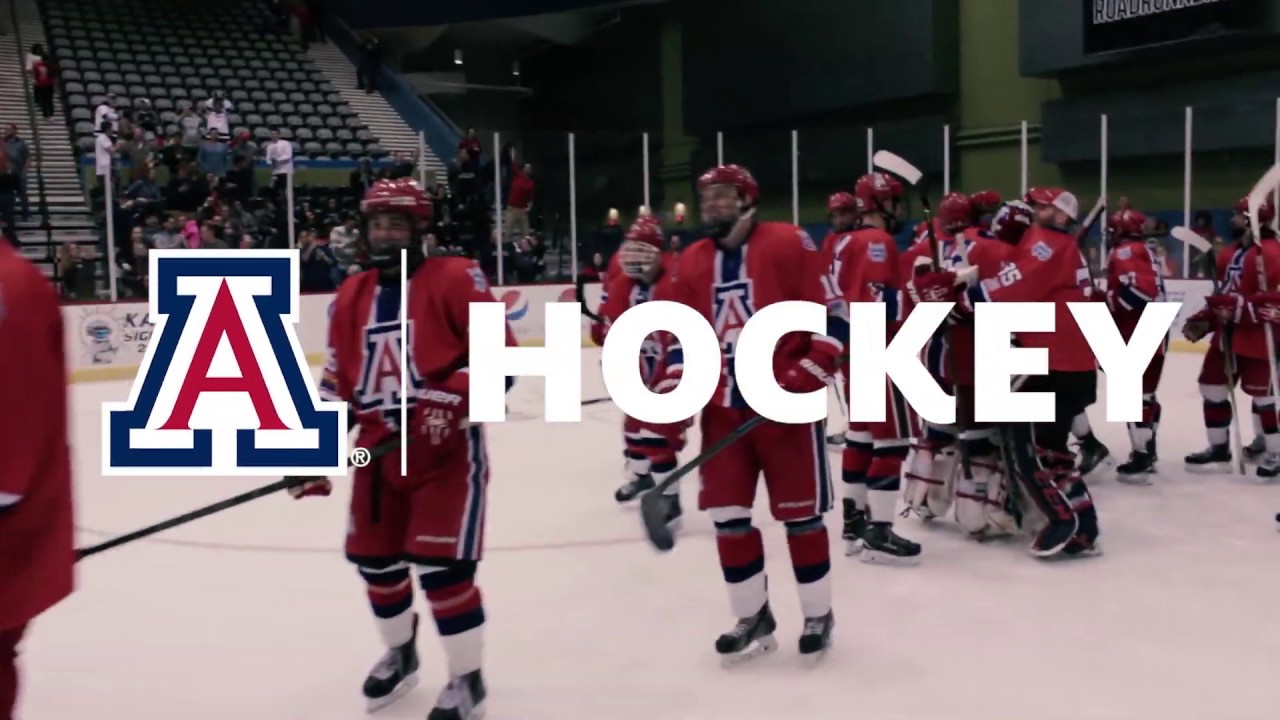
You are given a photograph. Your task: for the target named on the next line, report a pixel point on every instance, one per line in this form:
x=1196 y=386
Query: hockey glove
x=814 y=371
x=598 y=332
x=1226 y=308
x=1265 y=308
x=1198 y=325
x=934 y=287
x=309 y=486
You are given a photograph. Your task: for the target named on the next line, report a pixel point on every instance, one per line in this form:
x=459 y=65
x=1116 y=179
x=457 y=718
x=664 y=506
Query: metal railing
x=35 y=149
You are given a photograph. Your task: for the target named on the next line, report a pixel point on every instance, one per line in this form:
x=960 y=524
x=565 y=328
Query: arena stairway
x=70 y=220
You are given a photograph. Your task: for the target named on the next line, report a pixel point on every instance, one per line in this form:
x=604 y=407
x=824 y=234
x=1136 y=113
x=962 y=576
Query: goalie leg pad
x=930 y=474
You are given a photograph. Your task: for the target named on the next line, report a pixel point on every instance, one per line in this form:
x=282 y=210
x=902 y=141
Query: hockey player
x=427 y=524
x=986 y=203
x=932 y=485
x=1133 y=280
x=866 y=269
x=1047 y=267
x=645 y=273
x=36 y=555
x=1219 y=372
x=739 y=267
x=1252 y=357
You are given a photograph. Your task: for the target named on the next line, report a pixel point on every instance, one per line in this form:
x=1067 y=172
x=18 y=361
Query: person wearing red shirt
x=43 y=77
x=35 y=478
x=520 y=202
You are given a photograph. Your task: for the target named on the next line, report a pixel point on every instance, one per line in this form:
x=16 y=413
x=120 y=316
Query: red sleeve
x=31 y=366
x=1132 y=274
x=468 y=284
x=814 y=284
x=1035 y=272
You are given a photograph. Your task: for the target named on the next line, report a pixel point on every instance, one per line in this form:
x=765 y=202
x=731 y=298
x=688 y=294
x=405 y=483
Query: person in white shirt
x=216 y=109
x=280 y=158
x=104 y=149
x=106 y=112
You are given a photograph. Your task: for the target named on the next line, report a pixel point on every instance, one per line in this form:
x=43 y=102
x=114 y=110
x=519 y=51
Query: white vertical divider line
x=871 y=149
x=645 y=159
x=404 y=361
x=1187 y=134
x=1024 y=154
x=497 y=202
x=719 y=148
x=946 y=159
x=795 y=177
x=422 y=159
x=108 y=197
x=573 y=210
x=1103 y=150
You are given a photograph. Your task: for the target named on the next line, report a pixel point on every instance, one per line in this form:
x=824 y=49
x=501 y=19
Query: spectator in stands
x=8 y=199
x=370 y=66
x=243 y=178
x=216 y=118
x=528 y=259
x=403 y=166
x=362 y=177
x=211 y=237
x=316 y=10
x=74 y=272
x=318 y=263
x=170 y=235
x=105 y=148
x=280 y=158
x=520 y=202
x=214 y=157
x=173 y=154
x=138 y=151
x=106 y=112
x=143 y=199
x=132 y=275
x=594 y=270
x=190 y=123
x=464 y=178
x=43 y=79
x=344 y=241
x=19 y=156
x=470 y=144
x=306 y=24
x=183 y=191
x=506 y=167
x=242 y=145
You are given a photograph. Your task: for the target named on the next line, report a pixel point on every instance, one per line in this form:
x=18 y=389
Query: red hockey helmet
x=642 y=247
x=985 y=202
x=1266 y=211
x=874 y=190
x=955 y=211
x=841 y=201
x=1057 y=197
x=1127 y=225
x=736 y=176
x=1011 y=221
x=402 y=195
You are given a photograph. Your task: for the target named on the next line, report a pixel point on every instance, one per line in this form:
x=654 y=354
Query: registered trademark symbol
x=360 y=457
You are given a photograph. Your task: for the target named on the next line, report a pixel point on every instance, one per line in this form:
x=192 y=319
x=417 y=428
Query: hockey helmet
x=642 y=247
x=955 y=211
x=402 y=197
x=874 y=191
x=1266 y=210
x=735 y=176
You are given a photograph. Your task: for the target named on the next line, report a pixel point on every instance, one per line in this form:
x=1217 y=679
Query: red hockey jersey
x=778 y=262
x=36 y=533
x=623 y=293
x=1047 y=266
x=978 y=249
x=1133 y=280
x=1259 y=273
x=363 y=366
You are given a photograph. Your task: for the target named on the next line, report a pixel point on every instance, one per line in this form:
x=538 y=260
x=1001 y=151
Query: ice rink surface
x=255 y=614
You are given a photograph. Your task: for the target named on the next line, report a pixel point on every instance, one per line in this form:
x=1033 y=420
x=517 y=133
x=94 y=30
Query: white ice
x=255 y=614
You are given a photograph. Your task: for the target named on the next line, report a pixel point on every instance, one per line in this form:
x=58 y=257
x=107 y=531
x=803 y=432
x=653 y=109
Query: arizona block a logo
x=224 y=388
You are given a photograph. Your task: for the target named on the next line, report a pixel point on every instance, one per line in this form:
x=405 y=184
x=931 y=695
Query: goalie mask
x=641 y=252
x=1011 y=221
x=397 y=214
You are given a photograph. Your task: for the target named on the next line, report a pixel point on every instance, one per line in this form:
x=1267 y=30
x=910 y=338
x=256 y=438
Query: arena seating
x=176 y=54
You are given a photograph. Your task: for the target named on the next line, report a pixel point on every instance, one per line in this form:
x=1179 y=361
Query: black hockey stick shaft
x=582 y=299
x=652 y=509
x=227 y=504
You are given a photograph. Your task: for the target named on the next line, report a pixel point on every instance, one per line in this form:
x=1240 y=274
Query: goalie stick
x=652 y=511
x=886 y=160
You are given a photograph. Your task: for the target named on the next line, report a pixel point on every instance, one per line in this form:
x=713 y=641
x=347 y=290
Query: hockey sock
x=854 y=462
x=1142 y=433
x=1257 y=425
x=1217 y=413
x=458 y=611
x=1264 y=410
x=660 y=468
x=811 y=560
x=1080 y=426
x=391 y=597
x=884 y=481
x=741 y=552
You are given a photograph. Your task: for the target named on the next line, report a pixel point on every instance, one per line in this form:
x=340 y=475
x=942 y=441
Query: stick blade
x=653 y=513
x=1189 y=237
x=1258 y=195
x=890 y=162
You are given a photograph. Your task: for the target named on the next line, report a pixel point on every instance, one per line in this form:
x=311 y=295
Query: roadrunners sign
x=224 y=387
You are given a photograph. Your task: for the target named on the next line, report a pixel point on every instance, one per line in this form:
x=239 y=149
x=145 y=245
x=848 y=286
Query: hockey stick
x=1264 y=187
x=1229 y=370
x=652 y=510
x=886 y=160
x=1190 y=238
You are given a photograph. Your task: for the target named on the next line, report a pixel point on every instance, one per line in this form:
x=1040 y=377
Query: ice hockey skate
x=855 y=526
x=1137 y=470
x=1093 y=455
x=394 y=675
x=815 y=639
x=462 y=699
x=1214 y=459
x=633 y=488
x=752 y=636
x=882 y=546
